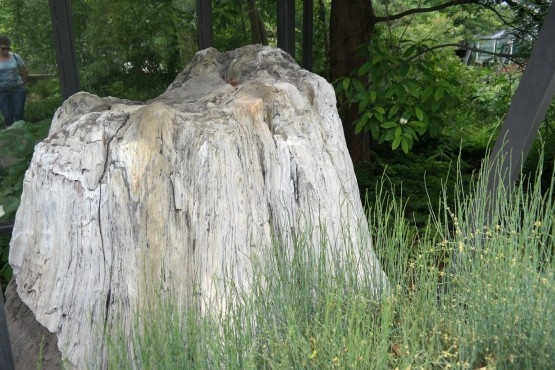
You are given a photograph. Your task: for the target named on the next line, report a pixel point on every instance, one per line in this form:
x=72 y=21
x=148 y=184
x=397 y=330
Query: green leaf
x=393 y=110
x=389 y=135
x=439 y=93
x=403 y=70
x=365 y=68
x=379 y=116
x=389 y=124
x=373 y=96
x=453 y=81
x=404 y=145
x=408 y=131
x=375 y=131
x=421 y=130
x=407 y=53
x=419 y=113
x=339 y=89
x=425 y=71
x=346 y=83
x=390 y=91
x=364 y=103
x=412 y=89
x=359 y=86
x=398 y=131
x=435 y=106
x=443 y=83
x=361 y=123
x=416 y=124
x=10 y=205
x=427 y=93
x=359 y=126
x=379 y=109
x=396 y=142
x=401 y=94
x=409 y=140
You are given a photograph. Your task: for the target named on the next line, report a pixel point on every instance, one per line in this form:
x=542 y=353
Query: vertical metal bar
x=526 y=113
x=6 y=227
x=205 y=34
x=60 y=12
x=286 y=26
x=6 y=357
x=308 y=33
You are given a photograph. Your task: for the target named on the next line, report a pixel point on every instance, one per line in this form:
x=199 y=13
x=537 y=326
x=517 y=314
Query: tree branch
x=393 y=17
x=511 y=57
x=503 y=19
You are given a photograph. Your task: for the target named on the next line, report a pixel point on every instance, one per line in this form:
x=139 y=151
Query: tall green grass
x=462 y=295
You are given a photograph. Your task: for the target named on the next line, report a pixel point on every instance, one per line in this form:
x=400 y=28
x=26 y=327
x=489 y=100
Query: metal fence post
x=60 y=11
x=6 y=227
x=286 y=26
x=204 y=14
x=308 y=33
x=526 y=113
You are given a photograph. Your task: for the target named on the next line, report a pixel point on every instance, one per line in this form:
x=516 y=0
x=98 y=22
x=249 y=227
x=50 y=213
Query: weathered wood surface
x=242 y=146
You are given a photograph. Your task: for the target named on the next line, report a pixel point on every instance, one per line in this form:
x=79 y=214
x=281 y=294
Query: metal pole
x=526 y=113
x=286 y=26
x=204 y=14
x=6 y=227
x=60 y=11
x=308 y=33
x=6 y=357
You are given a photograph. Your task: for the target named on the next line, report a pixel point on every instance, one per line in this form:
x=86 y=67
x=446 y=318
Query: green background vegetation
x=426 y=120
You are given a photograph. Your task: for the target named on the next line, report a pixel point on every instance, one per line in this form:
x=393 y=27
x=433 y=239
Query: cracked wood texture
x=124 y=198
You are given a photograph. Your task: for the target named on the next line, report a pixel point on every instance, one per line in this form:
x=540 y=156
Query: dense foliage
x=404 y=96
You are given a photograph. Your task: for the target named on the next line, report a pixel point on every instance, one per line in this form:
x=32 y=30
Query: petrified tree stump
x=178 y=191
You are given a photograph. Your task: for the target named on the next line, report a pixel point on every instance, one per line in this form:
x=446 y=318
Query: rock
x=123 y=197
x=33 y=343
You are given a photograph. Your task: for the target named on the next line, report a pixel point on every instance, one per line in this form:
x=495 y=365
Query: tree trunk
x=258 y=32
x=351 y=25
x=262 y=29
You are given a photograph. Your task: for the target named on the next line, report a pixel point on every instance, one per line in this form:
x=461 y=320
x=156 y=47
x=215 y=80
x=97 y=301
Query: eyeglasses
x=5 y=49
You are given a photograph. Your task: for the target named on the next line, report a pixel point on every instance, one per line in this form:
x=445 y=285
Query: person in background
x=13 y=77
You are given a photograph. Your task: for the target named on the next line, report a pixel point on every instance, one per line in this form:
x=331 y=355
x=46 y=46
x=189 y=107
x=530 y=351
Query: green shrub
x=43 y=98
x=44 y=88
x=403 y=94
x=44 y=109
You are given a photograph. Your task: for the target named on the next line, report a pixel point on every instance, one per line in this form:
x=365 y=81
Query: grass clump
x=460 y=296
